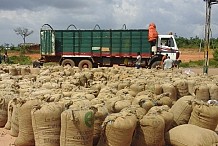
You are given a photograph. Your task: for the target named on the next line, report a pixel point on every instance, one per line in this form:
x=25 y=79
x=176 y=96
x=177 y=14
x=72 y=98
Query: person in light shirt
x=168 y=63
x=138 y=60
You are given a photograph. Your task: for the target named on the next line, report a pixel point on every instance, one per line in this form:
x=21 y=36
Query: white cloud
x=184 y=17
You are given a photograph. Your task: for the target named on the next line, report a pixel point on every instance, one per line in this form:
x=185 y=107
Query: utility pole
x=209 y=3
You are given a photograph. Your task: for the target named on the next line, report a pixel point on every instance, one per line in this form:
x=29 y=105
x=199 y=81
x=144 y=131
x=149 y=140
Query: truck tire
x=156 y=64
x=68 y=62
x=85 y=64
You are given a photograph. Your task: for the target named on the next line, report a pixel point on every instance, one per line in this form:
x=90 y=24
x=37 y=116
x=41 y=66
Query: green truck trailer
x=100 y=47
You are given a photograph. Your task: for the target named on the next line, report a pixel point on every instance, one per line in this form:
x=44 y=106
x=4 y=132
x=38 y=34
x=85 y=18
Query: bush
x=200 y=63
x=22 y=60
x=215 y=54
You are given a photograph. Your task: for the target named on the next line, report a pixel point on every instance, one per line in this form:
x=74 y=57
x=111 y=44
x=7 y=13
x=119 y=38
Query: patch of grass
x=22 y=60
x=199 y=63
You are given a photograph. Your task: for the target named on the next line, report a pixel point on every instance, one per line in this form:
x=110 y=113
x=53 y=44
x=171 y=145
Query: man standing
x=138 y=60
x=168 y=63
x=152 y=37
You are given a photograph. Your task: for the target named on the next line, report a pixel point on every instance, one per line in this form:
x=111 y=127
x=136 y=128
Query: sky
x=186 y=18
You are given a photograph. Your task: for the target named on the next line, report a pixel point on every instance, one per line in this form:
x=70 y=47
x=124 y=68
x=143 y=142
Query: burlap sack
x=202 y=92
x=14 y=117
x=118 y=130
x=101 y=113
x=213 y=90
x=3 y=111
x=77 y=127
x=26 y=135
x=191 y=86
x=46 y=122
x=138 y=111
x=150 y=131
x=123 y=84
x=119 y=105
x=10 y=109
x=13 y=71
x=126 y=93
x=25 y=71
x=205 y=116
x=170 y=88
x=191 y=135
x=182 y=110
x=111 y=102
x=137 y=87
x=182 y=88
x=163 y=111
x=163 y=99
x=158 y=89
x=145 y=101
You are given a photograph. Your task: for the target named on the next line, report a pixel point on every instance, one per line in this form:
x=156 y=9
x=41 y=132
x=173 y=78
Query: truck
x=89 y=48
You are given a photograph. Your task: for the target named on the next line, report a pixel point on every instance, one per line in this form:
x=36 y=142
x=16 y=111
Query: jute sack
x=3 y=111
x=25 y=71
x=213 y=90
x=13 y=71
x=119 y=105
x=101 y=113
x=77 y=127
x=182 y=110
x=46 y=122
x=204 y=115
x=163 y=111
x=202 y=92
x=123 y=84
x=26 y=135
x=138 y=111
x=145 y=101
x=150 y=131
x=191 y=135
x=170 y=88
x=182 y=88
x=35 y=71
x=118 y=129
x=111 y=102
x=10 y=109
x=14 y=117
x=137 y=87
x=163 y=99
x=191 y=86
x=158 y=89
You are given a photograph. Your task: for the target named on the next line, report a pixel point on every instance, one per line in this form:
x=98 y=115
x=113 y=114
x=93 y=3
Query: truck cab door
x=167 y=45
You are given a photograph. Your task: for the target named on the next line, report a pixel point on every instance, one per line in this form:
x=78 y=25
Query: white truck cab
x=166 y=44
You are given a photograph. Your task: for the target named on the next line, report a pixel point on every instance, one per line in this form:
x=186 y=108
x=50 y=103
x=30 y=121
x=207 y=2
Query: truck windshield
x=167 y=42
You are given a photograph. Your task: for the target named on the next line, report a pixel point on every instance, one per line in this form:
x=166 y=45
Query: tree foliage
x=195 y=42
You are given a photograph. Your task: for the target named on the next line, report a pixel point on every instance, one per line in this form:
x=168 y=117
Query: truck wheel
x=156 y=64
x=66 y=62
x=85 y=64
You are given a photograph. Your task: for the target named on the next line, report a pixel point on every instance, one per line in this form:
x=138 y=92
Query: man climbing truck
x=97 y=47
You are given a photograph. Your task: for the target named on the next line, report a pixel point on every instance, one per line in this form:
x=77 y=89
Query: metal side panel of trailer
x=95 y=43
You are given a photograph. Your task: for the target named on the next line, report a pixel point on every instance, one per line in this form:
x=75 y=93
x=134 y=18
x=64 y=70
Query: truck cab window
x=167 y=42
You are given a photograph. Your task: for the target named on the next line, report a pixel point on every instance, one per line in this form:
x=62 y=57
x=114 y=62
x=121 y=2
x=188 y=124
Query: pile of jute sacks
x=117 y=106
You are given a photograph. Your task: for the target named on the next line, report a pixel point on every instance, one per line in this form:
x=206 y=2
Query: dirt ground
x=194 y=55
